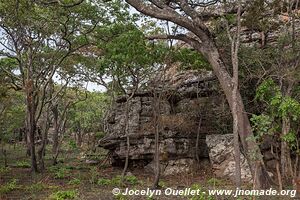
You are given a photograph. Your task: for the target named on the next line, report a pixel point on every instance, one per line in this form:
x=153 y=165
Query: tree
x=40 y=38
x=187 y=14
x=87 y=116
x=235 y=45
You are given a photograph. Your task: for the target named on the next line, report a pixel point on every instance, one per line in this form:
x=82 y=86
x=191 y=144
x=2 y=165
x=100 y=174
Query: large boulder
x=221 y=155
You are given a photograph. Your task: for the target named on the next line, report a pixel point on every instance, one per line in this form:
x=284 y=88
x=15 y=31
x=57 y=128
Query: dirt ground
x=74 y=179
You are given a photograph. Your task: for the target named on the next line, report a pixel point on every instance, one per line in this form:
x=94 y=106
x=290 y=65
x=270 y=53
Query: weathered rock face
x=221 y=154
x=189 y=97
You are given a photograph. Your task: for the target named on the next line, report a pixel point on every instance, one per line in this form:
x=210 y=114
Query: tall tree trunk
x=235 y=42
x=31 y=122
x=197 y=140
x=79 y=135
x=285 y=156
x=127 y=136
x=56 y=128
x=42 y=149
x=156 y=132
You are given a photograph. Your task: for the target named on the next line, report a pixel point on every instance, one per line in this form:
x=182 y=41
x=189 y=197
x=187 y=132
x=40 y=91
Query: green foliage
x=257 y=16
x=4 y=170
x=162 y=184
x=36 y=187
x=279 y=108
x=116 y=181
x=61 y=173
x=62 y=195
x=74 y=181
x=215 y=182
x=291 y=139
x=279 y=105
x=23 y=164
x=132 y=180
x=120 y=197
x=99 y=135
x=190 y=59
x=8 y=187
x=289 y=107
x=13 y=115
x=262 y=125
x=268 y=91
x=94 y=175
x=104 y=181
x=85 y=116
x=72 y=144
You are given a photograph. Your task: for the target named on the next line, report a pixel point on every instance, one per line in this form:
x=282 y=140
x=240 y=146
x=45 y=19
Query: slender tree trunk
x=127 y=136
x=197 y=139
x=156 y=132
x=235 y=65
x=127 y=143
x=79 y=136
x=285 y=156
x=56 y=128
x=5 y=156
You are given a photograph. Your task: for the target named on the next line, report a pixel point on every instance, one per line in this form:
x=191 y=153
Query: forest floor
x=72 y=178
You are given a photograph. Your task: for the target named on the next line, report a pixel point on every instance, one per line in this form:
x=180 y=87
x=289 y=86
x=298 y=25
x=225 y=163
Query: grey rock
x=186 y=94
x=221 y=155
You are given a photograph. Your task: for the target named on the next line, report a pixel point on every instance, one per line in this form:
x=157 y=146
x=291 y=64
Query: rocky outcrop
x=188 y=97
x=221 y=154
